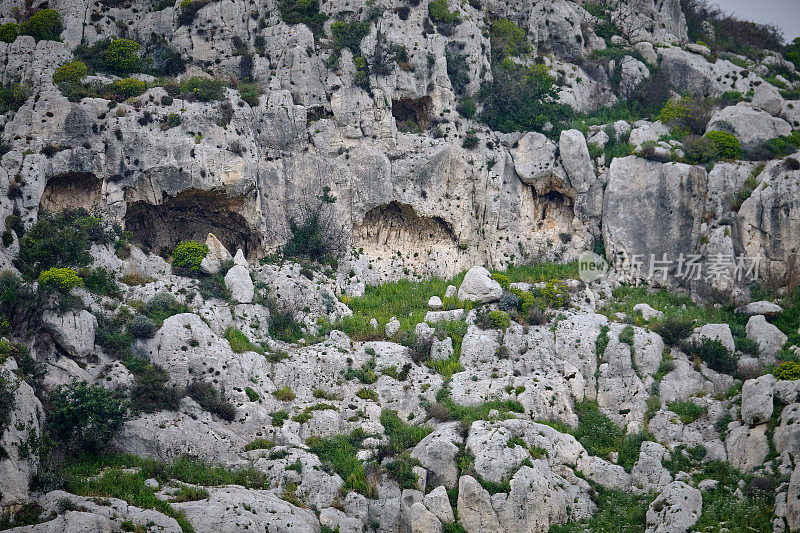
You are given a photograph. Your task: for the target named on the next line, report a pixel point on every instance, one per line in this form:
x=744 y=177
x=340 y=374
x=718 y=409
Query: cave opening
x=72 y=191
x=191 y=215
x=417 y=111
x=395 y=227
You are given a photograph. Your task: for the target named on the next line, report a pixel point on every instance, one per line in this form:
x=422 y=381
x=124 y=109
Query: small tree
x=70 y=74
x=85 y=416
x=60 y=279
x=122 y=57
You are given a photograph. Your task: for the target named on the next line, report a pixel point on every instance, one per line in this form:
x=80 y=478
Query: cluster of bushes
x=713 y=146
x=85 y=417
x=687 y=115
x=114 y=56
x=44 y=25
x=441 y=15
x=13 y=96
x=521 y=98
x=211 y=400
x=712 y=352
x=197 y=88
x=304 y=12
x=507 y=39
x=188 y=10
x=339 y=454
x=729 y=33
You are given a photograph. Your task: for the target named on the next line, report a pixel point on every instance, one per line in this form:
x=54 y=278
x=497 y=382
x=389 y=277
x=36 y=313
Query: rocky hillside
x=244 y=285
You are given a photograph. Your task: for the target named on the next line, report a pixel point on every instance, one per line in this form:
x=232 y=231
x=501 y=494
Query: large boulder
x=238 y=281
x=747 y=447
x=233 y=509
x=478 y=286
x=752 y=127
x=437 y=454
x=24 y=422
x=759 y=308
x=769 y=99
x=651 y=208
x=474 y=507
x=216 y=257
x=536 y=163
x=757 y=400
x=74 y=331
x=787 y=434
x=768 y=337
x=675 y=510
x=719 y=332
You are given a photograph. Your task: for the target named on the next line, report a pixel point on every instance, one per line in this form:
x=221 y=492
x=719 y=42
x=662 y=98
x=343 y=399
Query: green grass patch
x=616 y=512
x=468 y=414
x=401 y=435
x=239 y=341
x=686 y=410
x=338 y=454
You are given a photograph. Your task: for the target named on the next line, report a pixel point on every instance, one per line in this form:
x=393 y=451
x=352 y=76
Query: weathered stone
x=238 y=281
x=759 y=308
x=217 y=255
x=676 y=509
x=751 y=126
x=768 y=337
x=757 y=400
x=74 y=331
x=478 y=286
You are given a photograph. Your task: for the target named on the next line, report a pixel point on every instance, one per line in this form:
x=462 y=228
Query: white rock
x=451 y=291
x=438 y=503
x=442 y=349
x=759 y=308
x=392 y=327
x=238 y=281
x=435 y=303
x=793 y=501
x=217 y=255
x=787 y=434
x=752 y=127
x=768 y=337
x=747 y=447
x=648 y=312
x=757 y=400
x=767 y=98
x=240 y=259
x=424 y=521
x=74 y=331
x=675 y=510
x=720 y=332
x=478 y=286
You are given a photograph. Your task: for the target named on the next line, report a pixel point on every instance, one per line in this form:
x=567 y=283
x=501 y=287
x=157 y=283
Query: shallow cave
x=417 y=111
x=70 y=191
x=396 y=228
x=191 y=215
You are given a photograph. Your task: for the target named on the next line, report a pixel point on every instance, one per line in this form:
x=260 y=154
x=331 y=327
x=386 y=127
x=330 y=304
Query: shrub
x=700 y=150
x=686 y=410
x=250 y=93
x=259 y=444
x=239 y=341
x=673 y=330
x=503 y=280
x=521 y=98
x=13 y=96
x=727 y=144
x=440 y=14
x=162 y=306
x=60 y=279
x=687 y=115
x=85 y=416
x=285 y=394
x=141 y=327
x=129 y=87
x=201 y=89
x=349 y=35
x=150 y=392
x=210 y=400
x=189 y=9
x=252 y=395
x=556 y=294
x=14 y=294
x=315 y=237
x=713 y=353
x=304 y=12
x=457 y=68
x=467 y=107
x=70 y=73
x=339 y=454
x=282 y=324
x=401 y=435
x=508 y=39
x=365 y=393
x=789 y=370
x=44 y=25
x=188 y=255
x=173 y=120
x=499 y=319
x=9 y=32
x=122 y=57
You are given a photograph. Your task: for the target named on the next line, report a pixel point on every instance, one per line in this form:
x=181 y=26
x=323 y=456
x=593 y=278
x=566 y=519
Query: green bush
x=162 y=306
x=142 y=327
x=402 y=470
x=700 y=150
x=201 y=89
x=284 y=394
x=70 y=73
x=499 y=319
x=9 y=32
x=188 y=10
x=239 y=341
x=339 y=454
x=349 y=35
x=250 y=93
x=686 y=410
x=122 y=57
x=211 y=400
x=85 y=416
x=673 y=330
x=129 y=87
x=13 y=96
x=150 y=392
x=713 y=353
x=789 y=370
x=401 y=435
x=687 y=115
x=728 y=145
x=521 y=98
x=304 y=12
x=508 y=39
x=44 y=25
x=60 y=279
x=556 y=294
x=440 y=14
x=15 y=296
x=173 y=120
x=188 y=255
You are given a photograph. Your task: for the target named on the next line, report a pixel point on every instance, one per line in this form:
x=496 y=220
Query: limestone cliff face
x=416 y=202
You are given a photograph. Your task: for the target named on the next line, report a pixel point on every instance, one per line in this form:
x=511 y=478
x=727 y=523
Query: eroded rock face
x=752 y=127
x=652 y=208
x=677 y=508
